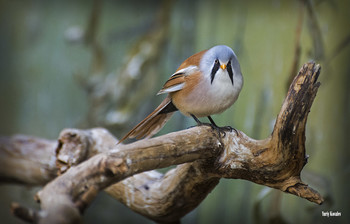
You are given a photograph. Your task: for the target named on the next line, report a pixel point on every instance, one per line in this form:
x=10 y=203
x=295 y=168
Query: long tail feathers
x=152 y=123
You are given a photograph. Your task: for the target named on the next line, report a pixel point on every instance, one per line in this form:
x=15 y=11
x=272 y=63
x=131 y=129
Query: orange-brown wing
x=177 y=81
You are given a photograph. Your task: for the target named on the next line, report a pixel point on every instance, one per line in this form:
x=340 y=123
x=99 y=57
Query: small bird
x=206 y=83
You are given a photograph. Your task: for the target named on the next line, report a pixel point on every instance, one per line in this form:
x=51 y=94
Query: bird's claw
x=222 y=130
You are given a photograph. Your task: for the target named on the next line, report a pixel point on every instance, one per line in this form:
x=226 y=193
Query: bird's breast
x=201 y=97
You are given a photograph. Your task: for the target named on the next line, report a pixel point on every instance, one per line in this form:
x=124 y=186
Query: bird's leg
x=222 y=129
x=199 y=123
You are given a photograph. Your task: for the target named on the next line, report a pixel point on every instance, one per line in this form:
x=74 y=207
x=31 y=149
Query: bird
x=206 y=83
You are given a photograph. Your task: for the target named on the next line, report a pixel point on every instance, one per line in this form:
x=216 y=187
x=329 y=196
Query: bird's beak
x=223 y=66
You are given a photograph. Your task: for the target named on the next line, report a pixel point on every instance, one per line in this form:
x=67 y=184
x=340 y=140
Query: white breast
x=211 y=98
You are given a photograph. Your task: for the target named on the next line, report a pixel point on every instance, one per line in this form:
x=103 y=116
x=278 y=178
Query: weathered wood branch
x=90 y=162
x=21 y=153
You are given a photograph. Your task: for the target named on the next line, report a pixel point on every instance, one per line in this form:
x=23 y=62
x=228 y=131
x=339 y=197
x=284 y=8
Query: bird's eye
x=216 y=61
x=229 y=63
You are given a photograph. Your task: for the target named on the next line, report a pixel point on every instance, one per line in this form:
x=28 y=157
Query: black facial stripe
x=214 y=70
x=229 y=70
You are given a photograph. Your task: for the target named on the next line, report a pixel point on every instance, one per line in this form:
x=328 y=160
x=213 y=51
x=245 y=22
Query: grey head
x=217 y=57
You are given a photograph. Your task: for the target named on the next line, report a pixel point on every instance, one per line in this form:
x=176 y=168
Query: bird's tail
x=153 y=122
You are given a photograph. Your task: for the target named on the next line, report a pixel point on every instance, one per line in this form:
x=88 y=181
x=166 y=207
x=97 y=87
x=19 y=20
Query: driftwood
x=88 y=161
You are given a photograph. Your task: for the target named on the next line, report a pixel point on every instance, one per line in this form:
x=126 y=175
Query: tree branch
x=205 y=157
x=26 y=153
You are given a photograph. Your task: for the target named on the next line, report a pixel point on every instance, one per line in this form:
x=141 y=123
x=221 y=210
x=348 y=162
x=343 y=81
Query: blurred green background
x=92 y=63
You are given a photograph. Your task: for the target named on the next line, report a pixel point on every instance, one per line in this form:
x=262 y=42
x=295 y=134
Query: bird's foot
x=222 y=130
x=229 y=129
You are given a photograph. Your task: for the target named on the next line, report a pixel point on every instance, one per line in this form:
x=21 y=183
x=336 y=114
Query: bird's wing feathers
x=176 y=82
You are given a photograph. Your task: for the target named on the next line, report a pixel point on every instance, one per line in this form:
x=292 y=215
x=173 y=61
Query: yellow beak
x=223 y=66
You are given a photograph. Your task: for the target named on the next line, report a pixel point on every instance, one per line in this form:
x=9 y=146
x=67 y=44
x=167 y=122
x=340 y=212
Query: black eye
x=216 y=61
x=229 y=63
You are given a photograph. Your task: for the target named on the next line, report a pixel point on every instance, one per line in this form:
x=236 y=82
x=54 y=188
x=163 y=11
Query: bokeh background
x=88 y=63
